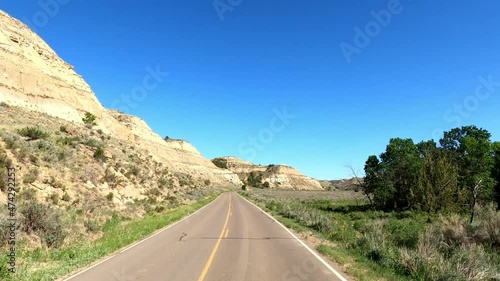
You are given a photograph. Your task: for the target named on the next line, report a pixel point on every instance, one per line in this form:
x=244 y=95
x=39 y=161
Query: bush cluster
x=33 y=133
x=89 y=119
x=5 y=163
x=463 y=170
x=44 y=221
x=220 y=162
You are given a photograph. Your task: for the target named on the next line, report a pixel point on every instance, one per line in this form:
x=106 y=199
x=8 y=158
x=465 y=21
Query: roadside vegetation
x=391 y=245
x=430 y=212
x=116 y=232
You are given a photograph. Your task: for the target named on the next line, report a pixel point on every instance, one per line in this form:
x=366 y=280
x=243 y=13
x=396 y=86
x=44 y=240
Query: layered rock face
x=277 y=176
x=32 y=76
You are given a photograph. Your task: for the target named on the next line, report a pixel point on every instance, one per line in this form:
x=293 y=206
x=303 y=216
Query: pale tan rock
x=278 y=176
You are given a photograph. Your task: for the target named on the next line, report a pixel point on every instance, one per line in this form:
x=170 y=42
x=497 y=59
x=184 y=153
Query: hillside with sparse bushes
x=76 y=183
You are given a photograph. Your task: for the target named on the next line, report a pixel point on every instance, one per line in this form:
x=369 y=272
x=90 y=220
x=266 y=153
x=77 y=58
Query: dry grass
x=306 y=195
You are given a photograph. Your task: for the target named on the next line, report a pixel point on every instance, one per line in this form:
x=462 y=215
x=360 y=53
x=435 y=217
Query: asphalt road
x=228 y=240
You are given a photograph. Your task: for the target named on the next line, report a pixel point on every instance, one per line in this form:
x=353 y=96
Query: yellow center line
x=214 y=251
x=227 y=232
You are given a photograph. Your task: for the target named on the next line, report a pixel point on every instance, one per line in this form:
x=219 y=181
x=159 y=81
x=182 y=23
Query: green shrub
x=33 y=133
x=172 y=200
x=89 y=119
x=164 y=182
x=184 y=179
x=63 y=129
x=10 y=143
x=91 y=225
x=5 y=163
x=92 y=143
x=4 y=232
x=207 y=182
x=100 y=155
x=405 y=232
x=159 y=209
x=110 y=196
x=220 y=162
x=44 y=221
x=43 y=146
x=183 y=182
x=255 y=179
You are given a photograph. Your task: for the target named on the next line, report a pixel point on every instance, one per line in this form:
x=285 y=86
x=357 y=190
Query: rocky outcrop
x=272 y=176
x=34 y=77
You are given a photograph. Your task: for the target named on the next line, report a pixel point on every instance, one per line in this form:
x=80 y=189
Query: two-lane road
x=228 y=240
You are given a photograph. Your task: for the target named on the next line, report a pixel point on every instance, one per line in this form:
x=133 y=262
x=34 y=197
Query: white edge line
x=137 y=243
x=300 y=241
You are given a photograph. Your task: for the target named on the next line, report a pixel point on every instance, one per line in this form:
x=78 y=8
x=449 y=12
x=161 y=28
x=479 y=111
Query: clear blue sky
x=228 y=74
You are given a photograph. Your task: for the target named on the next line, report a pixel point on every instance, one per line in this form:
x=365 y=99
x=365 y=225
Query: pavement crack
x=183 y=235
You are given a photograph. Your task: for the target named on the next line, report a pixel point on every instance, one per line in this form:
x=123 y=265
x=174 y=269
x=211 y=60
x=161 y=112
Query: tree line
x=456 y=174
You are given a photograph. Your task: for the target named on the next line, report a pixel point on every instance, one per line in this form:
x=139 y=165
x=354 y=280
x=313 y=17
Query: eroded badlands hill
x=271 y=176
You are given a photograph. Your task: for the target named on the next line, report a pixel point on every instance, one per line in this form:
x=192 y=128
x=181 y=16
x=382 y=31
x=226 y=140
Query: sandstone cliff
x=272 y=176
x=34 y=78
